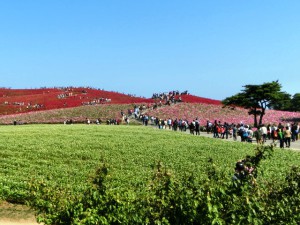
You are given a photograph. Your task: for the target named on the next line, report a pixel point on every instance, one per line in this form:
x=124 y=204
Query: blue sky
x=210 y=48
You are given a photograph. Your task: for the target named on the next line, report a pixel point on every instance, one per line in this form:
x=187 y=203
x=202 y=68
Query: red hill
x=195 y=99
x=14 y=101
x=26 y=100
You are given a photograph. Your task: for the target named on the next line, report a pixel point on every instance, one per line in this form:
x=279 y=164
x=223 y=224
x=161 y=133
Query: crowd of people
x=97 y=101
x=178 y=124
x=65 y=95
x=168 y=95
x=284 y=134
x=99 y=121
x=28 y=105
x=168 y=98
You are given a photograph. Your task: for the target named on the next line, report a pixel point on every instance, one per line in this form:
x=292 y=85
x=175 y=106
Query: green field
x=69 y=154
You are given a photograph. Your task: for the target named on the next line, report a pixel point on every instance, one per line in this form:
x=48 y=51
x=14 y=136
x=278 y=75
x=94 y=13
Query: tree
x=285 y=103
x=296 y=102
x=256 y=98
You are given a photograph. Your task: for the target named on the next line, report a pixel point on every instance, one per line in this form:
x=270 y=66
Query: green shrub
x=165 y=199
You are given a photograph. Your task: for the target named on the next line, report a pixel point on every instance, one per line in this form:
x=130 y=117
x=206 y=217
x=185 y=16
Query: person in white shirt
x=264 y=132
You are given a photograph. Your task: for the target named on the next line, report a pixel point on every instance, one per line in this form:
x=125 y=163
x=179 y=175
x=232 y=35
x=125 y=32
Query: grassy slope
x=78 y=114
x=69 y=154
x=181 y=110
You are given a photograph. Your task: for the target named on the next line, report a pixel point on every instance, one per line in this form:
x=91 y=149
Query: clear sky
x=210 y=48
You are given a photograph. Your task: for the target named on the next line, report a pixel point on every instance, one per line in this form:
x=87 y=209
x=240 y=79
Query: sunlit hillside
x=56 y=105
x=204 y=112
x=14 y=101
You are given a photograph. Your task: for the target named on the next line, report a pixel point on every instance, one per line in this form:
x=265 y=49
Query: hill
x=14 y=101
x=55 y=105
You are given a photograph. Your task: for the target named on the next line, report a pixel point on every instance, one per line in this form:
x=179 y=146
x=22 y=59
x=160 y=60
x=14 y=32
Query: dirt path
x=11 y=214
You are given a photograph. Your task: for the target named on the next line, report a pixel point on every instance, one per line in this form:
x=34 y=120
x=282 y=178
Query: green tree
x=285 y=103
x=257 y=98
x=296 y=102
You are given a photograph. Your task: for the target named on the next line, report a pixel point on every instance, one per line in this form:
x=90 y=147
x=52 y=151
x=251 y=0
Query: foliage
x=287 y=102
x=15 y=101
x=97 y=205
x=295 y=102
x=256 y=98
x=77 y=114
x=57 y=161
x=169 y=200
x=187 y=111
x=284 y=104
x=283 y=202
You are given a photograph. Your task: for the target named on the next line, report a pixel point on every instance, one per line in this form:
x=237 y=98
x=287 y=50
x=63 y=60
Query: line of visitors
x=284 y=134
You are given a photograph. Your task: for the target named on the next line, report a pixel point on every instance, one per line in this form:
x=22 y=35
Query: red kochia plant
x=195 y=99
x=26 y=100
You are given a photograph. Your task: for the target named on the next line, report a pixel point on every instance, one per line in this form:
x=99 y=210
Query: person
x=127 y=120
x=208 y=126
x=192 y=127
x=234 y=132
x=241 y=131
x=250 y=135
x=226 y=130
x=146 y=119
x=175 y=124
x=169 y=123
x=160 y=125
x=269 y=130
x=287 y=137
x=222 y=131
x=280 y=137
x=258 y=136
x=294 y=131
x=245 y=134
x=239 y=171
x=242 y=172
x=264 y=132
x=215 y=129
x=197 y=127
x=274 y=133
